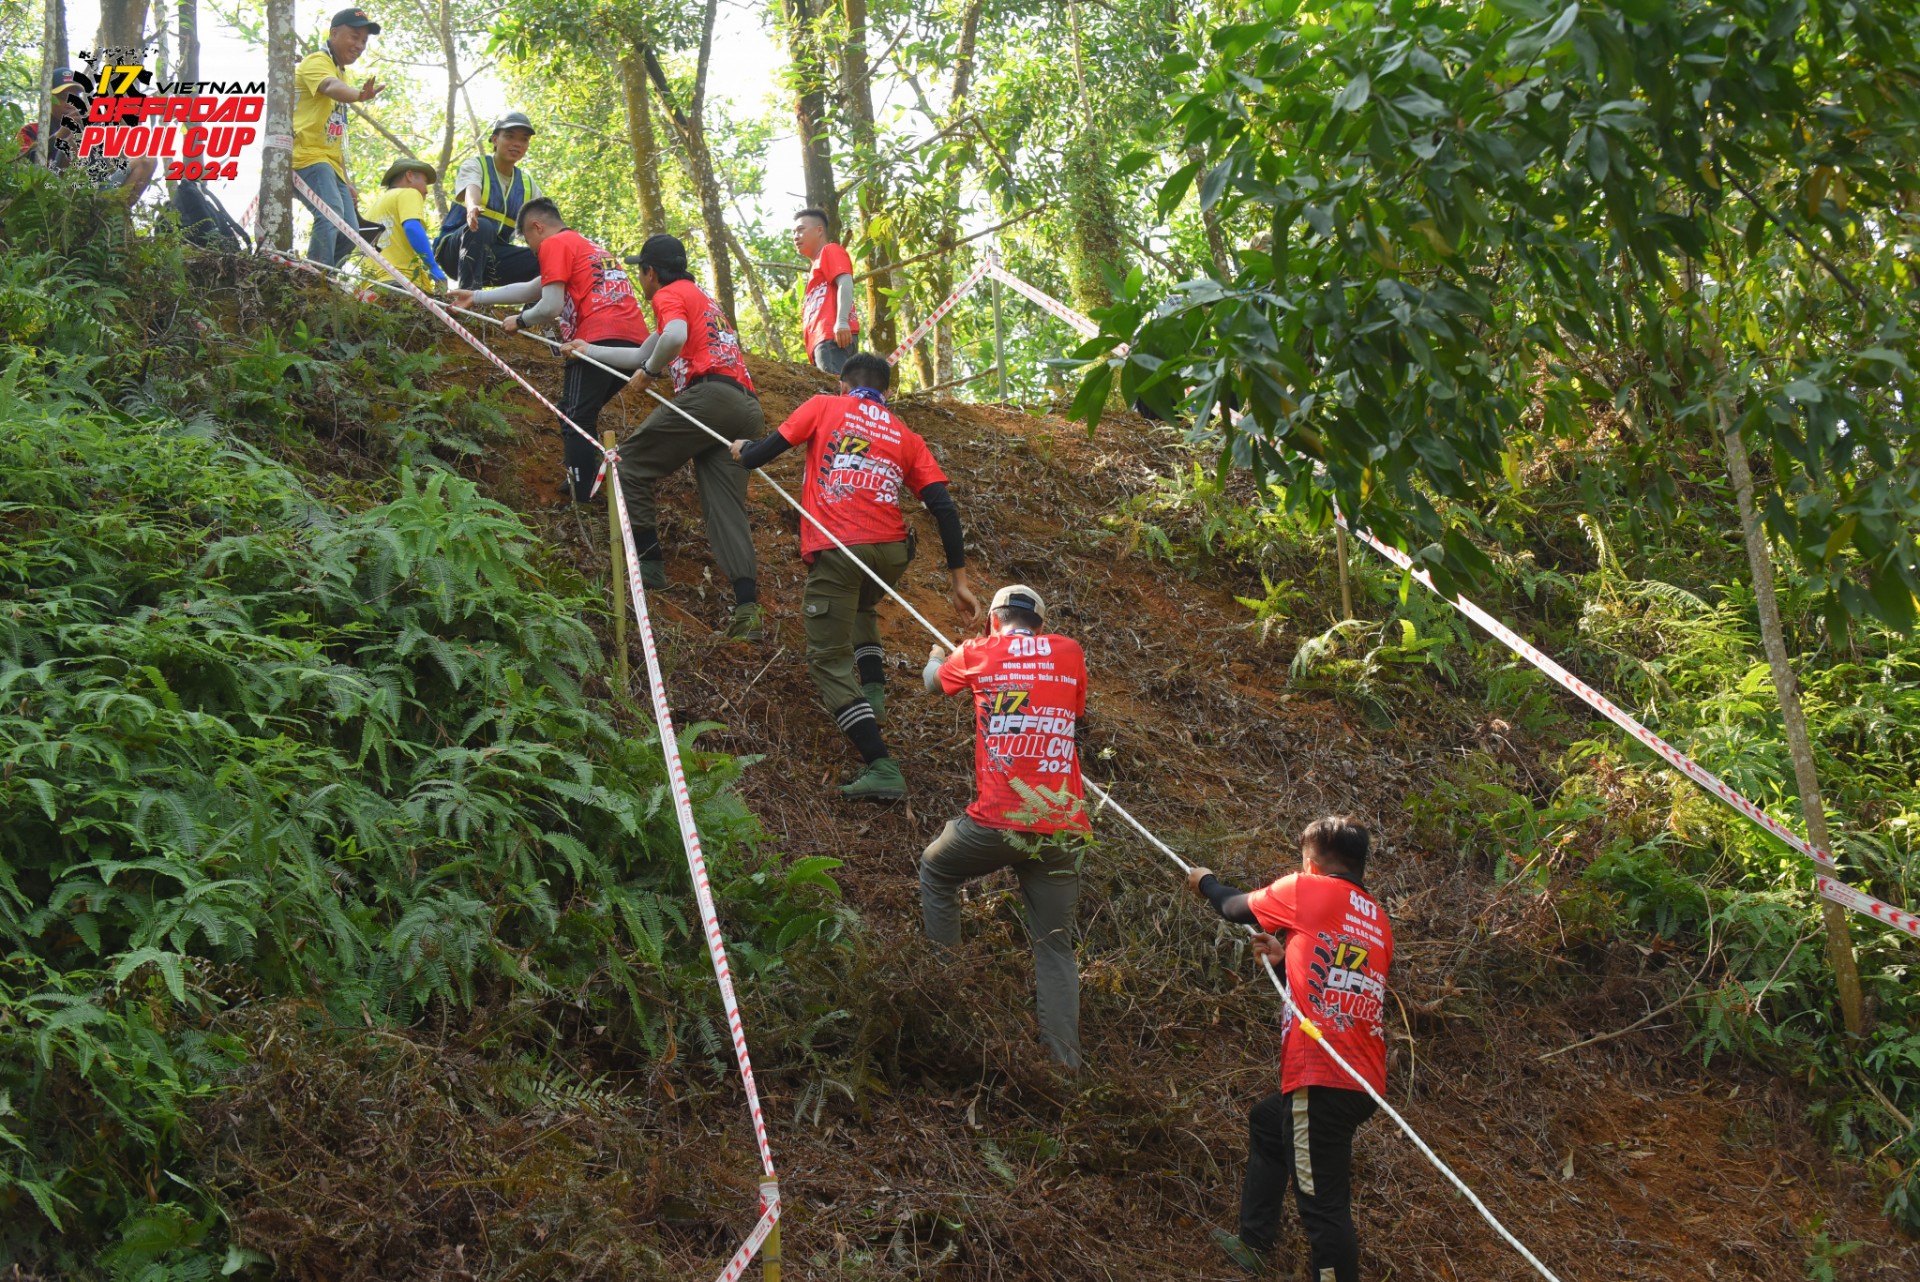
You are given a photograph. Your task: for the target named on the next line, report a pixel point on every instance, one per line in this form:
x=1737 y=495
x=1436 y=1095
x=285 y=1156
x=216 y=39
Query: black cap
x=661 y=251
x=355 y=18
x=514 y=120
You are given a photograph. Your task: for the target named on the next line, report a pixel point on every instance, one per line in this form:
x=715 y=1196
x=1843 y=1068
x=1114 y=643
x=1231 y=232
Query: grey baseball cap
x=514 y=120
x=1021 y=597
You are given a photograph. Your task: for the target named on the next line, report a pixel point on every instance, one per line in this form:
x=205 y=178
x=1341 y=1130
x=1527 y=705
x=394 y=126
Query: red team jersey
x=819 y=309
x=859 y=454
x=600 y=302
x=712 y=346
x=1339 y=946
x=1029 y=693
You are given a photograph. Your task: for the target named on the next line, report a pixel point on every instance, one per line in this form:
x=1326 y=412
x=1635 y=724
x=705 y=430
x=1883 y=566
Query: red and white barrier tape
x=1837 y=891
x=669 y=745
x=939 y=313
x=990 y=268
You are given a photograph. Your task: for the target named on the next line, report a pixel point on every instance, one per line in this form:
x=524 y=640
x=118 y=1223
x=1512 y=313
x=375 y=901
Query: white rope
x=1107 y=802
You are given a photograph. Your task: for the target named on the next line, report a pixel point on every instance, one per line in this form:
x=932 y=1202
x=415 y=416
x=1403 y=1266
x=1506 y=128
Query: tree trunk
x=691 y=129
x=276 y=164
x=1846 y=972
x=810 y=108
x=646 y=146
x=123 y=25
x=757 y=291
x=450 y=50
x=187 y=19
x=53 y=35
x=873 y=191
x=1217 y=252
x=943 y=274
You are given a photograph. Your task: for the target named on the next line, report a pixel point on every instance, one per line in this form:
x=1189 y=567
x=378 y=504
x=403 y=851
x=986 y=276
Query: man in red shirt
x=1029 y=693
x=695 y=345
x=859 y=454
x=1336 y=948
x=827 y=320
x=585 y=291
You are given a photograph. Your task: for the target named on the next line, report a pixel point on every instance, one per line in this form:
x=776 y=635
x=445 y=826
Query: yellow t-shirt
x=319 y=123
x=394 y=206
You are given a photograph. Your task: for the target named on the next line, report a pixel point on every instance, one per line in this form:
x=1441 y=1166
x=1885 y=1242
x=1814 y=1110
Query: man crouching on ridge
x=1336 y=945
x=859 y=454
x=1029 y=692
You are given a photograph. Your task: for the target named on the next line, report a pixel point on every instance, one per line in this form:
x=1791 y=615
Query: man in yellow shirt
x=401 y=210
x=320 y=98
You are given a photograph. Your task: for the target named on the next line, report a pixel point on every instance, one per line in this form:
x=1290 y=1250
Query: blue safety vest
x=503 y=200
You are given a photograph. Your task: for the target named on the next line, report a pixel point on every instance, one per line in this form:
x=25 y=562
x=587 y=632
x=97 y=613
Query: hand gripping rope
x=669 y=747
x=1837 y=891
x=691 y=837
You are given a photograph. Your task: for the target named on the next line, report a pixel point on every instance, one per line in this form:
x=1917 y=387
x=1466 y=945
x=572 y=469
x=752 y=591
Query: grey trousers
x=664 y=444
x=1050 y=887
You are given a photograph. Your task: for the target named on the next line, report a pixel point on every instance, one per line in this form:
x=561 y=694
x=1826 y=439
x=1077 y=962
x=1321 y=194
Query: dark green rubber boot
x=881 y=781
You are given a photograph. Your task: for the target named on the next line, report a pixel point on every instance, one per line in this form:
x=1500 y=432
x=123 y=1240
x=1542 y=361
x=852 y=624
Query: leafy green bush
x=255 y=745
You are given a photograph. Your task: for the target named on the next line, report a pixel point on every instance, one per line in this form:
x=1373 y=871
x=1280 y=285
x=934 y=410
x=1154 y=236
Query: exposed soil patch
x=925 y=1136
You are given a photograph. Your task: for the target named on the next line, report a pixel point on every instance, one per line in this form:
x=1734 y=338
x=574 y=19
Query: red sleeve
x=920 y=468
x=1277 y=907
x=956 y=674
x=835 y=263
x=803 y=422
x=669 y=305
x=556 y=264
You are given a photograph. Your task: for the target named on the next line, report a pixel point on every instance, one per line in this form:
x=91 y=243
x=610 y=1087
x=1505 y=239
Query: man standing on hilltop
x=859 y=454
x=320 y=97
x=828 y=323
x=1336 y=948
x=1028 y=688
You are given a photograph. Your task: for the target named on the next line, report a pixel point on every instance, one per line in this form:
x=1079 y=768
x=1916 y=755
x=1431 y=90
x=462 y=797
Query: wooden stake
x=619 y=583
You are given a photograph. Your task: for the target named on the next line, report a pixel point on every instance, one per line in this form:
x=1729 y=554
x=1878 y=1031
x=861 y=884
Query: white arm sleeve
x=553 y=301
x=618 y=357
x=843 y=287
x=668 y=343
x=523 y=292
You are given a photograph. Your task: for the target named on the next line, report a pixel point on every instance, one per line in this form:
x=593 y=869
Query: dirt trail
x=964 y=1156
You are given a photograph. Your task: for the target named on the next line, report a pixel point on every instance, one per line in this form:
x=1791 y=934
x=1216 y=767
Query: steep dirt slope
x=960 y=1155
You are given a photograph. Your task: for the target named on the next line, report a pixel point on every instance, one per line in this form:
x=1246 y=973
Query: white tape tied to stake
x=691 y=837
x=990 y=268
x=1837 y=891
x=669 y=747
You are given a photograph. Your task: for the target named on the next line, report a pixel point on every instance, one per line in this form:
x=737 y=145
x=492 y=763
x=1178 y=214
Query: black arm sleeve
x=947 y=517
x=1228 y=902
x=764 y=451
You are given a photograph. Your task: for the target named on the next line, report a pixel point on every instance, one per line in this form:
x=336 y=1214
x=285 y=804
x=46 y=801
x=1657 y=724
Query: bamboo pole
x=999 y=339
x=770 y=1249
x=618 y=583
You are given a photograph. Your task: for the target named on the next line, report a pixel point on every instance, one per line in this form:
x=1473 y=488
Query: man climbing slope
x=1029 y=693
x=1337 y=947
x=859 y=454
x=827 y=320
x=585 y=291
x=321 y=95
x=697 y=348
x=476 y=237
x=399 y=210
